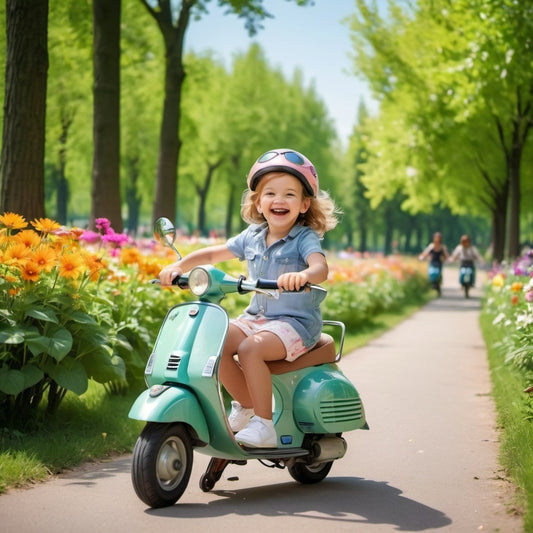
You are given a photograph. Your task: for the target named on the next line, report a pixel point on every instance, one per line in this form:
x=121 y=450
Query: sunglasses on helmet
x=292 y=157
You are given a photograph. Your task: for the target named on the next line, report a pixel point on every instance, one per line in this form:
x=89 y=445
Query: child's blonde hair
x=322 y=214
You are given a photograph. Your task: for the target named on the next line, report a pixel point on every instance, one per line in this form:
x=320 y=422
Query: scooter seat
x=323 y=352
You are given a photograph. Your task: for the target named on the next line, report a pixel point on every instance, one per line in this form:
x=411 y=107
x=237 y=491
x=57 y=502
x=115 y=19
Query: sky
x=311 y=38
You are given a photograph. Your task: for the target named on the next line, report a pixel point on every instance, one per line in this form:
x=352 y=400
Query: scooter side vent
x=174 y=361
x=341 y=410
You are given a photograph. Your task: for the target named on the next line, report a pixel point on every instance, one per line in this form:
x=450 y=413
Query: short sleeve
x=310 y=243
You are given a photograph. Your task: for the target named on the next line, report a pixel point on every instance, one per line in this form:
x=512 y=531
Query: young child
x=288 y=215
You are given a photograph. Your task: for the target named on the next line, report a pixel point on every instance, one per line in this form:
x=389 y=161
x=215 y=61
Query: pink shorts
x=251 y=324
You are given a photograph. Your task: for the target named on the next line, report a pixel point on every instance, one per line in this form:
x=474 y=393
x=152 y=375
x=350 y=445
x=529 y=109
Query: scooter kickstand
x=213 y=473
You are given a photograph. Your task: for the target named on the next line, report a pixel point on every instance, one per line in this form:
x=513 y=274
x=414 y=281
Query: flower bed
x=509 y=301
x=77 y=306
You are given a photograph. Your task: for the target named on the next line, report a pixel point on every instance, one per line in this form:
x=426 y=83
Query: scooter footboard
x=169 y=404
x=336 y=405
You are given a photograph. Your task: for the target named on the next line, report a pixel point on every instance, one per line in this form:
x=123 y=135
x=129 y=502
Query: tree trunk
x=169 y=142
x=23 y=135
x=202 y=193
x=62 y=191
x=133 y=198
x=228 y=226
x=499 y=222
x=105 y=198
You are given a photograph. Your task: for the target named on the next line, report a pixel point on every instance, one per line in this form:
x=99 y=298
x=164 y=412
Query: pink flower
x=103 y=225
x=529 y=296
x=89 y=236
x=117 y=239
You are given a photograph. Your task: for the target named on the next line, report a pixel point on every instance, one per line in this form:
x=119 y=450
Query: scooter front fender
x=170 y=404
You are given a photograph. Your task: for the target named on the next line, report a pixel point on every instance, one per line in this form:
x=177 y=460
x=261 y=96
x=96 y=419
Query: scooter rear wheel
x=308 y=474
x=162 y=464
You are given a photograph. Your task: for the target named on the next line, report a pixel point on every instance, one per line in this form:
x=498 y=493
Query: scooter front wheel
x=307 y=474
x=162 y=463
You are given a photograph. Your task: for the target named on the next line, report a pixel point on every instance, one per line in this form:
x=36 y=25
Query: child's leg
x=253 y=352
x=230 y=373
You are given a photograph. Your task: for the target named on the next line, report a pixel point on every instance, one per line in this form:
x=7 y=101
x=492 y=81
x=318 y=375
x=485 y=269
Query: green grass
x=95 y=426
x=515 y=413
x=91 y=427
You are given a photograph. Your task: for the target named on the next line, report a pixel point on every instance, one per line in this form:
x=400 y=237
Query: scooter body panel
x=467 y=276
x=434 y=273
x=170 y=404
x=325 y=401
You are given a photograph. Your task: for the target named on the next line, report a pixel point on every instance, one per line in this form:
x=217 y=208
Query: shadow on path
x=343 y=499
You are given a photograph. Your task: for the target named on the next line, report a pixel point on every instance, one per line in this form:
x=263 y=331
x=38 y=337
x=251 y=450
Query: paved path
x=428 y=463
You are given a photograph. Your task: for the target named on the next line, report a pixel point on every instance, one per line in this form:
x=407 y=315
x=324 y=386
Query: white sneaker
x=259 y=433
x=239 y=416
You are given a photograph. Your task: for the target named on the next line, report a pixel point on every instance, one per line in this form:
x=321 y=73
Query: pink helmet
x=285 y=160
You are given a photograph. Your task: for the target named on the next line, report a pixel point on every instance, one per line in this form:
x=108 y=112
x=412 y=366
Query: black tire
x=308 y=474
x=162 y=464
x=467 y=289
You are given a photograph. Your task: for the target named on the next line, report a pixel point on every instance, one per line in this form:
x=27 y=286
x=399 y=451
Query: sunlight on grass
x=514 y=420
x=19 y=468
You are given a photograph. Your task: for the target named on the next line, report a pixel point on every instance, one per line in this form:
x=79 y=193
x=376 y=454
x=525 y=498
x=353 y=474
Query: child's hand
x=293 y=281
x=169 y=273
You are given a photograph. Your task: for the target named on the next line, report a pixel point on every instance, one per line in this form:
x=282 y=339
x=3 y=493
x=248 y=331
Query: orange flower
x=516 y=286
x=45 y=225
x=71 y=266
x=30 y=271
x=95 y=265
x=514 y=299
x=28 y=237
x=13 y=221
x=45 y=257
x=16 y=253
x=129 y=256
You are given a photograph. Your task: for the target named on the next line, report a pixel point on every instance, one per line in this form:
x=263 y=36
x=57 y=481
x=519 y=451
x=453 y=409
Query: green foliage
x=358 y=301
x=66 y=318
x=453 y=80
x=507 y=323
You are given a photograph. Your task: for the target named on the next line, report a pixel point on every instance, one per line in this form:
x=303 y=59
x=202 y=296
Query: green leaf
x=82 y=318
x=44 y=314
x=69 y=374
x=32 y=375
x=12 y=336
x=57 y=344
x=103 y=367
x=11 y=381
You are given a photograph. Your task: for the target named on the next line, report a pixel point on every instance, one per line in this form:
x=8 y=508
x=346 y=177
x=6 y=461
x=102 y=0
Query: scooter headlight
x=199 y=281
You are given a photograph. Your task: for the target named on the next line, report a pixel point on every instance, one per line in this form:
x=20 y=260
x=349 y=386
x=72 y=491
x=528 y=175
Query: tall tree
x=447 y=68
x=106 y=201
x=173 y=19
x=23 y=135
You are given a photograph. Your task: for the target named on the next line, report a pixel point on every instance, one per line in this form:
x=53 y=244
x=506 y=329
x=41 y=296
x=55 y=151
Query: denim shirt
x=300 y=309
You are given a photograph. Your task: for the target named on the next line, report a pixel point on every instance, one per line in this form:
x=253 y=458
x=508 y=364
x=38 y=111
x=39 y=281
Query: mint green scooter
x=186 y=408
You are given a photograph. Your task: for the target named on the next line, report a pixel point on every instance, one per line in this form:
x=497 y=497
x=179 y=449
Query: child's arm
x=316 y=272
x=209 y=255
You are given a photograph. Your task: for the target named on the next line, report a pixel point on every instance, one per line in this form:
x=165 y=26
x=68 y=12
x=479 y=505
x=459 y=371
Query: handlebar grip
x=267 y=284
x=273 y=284
x=181 y=282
